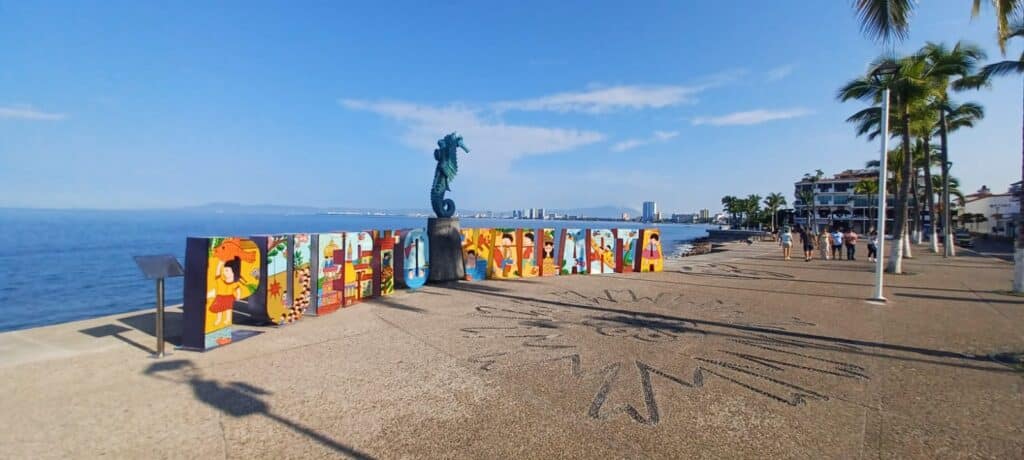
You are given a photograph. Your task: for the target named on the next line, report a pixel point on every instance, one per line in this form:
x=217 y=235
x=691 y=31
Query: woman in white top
x=786 y=241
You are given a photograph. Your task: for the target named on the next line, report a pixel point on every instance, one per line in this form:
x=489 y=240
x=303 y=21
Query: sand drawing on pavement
x=747 y=356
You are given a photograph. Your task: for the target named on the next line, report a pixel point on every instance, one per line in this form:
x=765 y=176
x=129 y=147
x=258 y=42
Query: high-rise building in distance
x=650 y=213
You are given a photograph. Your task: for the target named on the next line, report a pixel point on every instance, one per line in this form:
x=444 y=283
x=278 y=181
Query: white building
x=1000 y=209
x=837 y=204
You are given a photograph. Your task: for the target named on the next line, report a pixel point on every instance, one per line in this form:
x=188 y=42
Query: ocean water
x=59 y=266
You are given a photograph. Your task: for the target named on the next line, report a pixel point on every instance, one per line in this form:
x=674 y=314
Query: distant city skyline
x=139 y=105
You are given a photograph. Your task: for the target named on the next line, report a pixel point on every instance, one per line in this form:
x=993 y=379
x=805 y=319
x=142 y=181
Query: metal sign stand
x=158 y=268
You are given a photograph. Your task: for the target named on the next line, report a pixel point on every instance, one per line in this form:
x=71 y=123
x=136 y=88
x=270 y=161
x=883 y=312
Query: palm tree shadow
x=238 y=399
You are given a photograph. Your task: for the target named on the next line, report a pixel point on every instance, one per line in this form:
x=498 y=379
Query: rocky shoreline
x=686 y=248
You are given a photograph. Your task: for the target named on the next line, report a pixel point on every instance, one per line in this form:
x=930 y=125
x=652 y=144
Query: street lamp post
x=883 y=163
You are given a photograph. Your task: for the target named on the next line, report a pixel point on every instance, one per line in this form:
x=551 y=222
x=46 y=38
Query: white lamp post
x=883 y=163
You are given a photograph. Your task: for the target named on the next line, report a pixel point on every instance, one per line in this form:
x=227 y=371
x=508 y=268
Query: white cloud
x=622 y=97
x=657 y=136
x=29 y=113
x=752 y=117
x=780 y=72
x=665 y=135
x=603 y=100
x=495 y=140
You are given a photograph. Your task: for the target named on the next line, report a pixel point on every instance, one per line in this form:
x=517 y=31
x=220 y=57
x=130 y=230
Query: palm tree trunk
x=947 y=216
x=930 y=193
x=895 y=264
x=814 y=208
x=916 y=215
x=1018 y=250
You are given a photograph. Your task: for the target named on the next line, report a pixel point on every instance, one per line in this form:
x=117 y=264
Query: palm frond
x=1005 y=11
x=885 y=20
x=1003 y=68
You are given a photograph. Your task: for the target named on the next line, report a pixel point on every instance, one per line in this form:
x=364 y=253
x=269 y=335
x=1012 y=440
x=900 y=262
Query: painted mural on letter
x=358 y=273
x=233 y=274
x=414 y=264
x=384 y=244
x=548 y=257
x=476 y=252
x=626 y=254
x=573 y=248
x=505 y=254
x=330 y=286
x=278 y=302
x=301 y=273
x=601 y=250
x=651 y=259
x=528 y=267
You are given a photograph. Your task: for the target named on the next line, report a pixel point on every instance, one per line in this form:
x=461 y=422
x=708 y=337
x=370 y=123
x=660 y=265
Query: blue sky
x=564 y=104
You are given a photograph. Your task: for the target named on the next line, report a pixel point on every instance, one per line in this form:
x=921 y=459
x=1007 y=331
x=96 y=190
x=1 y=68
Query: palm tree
x=868 y=188
x=949 y=68
x=889 y=20
x=730 y=206
x=753 y=205
x=999 y=69
x=908 y=86
x=813 y=195
x=773 y=202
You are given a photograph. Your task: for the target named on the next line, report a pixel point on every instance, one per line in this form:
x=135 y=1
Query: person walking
x=850 y=240
x=824 y=243
x=786 y=241
x=873 y=246
x=807 y=240
x=837 y=243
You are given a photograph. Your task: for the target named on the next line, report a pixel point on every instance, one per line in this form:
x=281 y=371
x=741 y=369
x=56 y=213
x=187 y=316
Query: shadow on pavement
x=825 y=283
x=237 y=399
x=846 y=345
x=115 y=331
x=388 y=302
x=146 y=323
x=959 y=299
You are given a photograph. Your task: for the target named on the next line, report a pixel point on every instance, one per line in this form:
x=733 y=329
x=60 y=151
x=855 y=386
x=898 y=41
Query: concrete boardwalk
x=732 y=354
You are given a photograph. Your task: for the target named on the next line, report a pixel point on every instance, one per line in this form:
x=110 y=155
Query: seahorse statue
x=444 y=174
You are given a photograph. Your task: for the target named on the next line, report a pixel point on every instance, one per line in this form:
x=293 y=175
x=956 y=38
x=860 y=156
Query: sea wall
x=280 y=279
x=733 y=235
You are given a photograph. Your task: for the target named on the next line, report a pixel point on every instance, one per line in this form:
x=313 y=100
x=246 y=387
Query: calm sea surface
x=59 y=266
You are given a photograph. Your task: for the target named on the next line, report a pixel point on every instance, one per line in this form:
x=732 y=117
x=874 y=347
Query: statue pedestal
x=445 y=250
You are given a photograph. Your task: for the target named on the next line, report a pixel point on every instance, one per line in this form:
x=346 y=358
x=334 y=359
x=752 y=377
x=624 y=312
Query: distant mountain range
x=236 y=208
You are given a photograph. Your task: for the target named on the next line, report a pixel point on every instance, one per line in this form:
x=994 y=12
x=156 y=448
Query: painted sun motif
x=572 y=328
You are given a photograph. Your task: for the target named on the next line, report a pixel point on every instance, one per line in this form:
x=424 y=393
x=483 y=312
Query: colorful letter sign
x=358 y=272
x=272 y=302
x=476 y=252
x=505 y=255
x=601 y=246
x=573 y=248
x=625 y=256
x=413 y=263
x=548 y=254
x=384 y=243
x=650 y=259
x=218 y=273
x=528 y=267
x=330 y=265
